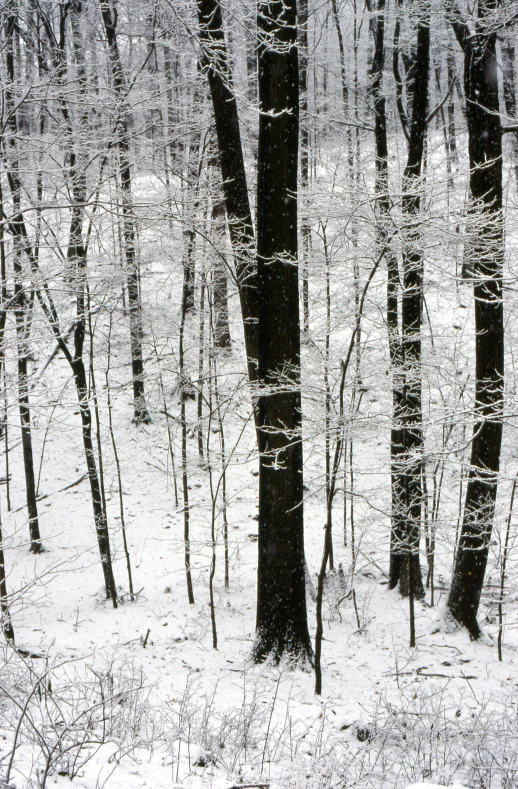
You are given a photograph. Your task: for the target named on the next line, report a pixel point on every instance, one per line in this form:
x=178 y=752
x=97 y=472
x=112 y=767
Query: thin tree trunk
x=183 y=422
x=504 y=554
x=452 y=77
x=22 y=306
x=109 y=16
x=221 y=330
x=7 y=624
x=76 y=260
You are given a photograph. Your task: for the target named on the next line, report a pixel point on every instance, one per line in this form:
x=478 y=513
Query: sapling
x=7 y=625
x=503 y=567
x=117 y=464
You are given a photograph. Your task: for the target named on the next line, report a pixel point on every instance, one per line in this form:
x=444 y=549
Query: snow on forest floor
x=137 y=697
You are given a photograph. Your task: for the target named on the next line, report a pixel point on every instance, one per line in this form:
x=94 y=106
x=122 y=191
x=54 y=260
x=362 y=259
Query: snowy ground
x=161 y=706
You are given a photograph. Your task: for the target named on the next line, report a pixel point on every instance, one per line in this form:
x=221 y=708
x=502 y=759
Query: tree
x=405 y=568
x=281 y=599
x=485 y=261
x=110 y=16
x=23 y=304
x=239 y=216
x=269 y=294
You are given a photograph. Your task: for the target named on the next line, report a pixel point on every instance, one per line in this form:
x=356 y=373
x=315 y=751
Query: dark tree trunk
x=281 y=603
x=22 y=306
x=109 y=15
x=185 y=385
x=486 y=251
x=190 y=210
x=410 y=468
x=305 y=230
x=7 y=625
x=101 y=524
x=384 y=243
x=237 y=204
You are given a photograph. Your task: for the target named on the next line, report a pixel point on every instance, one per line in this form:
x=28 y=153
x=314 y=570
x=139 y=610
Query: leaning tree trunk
x=109 y=15
x=239 y=216
x=486 y=252
x=281 y=603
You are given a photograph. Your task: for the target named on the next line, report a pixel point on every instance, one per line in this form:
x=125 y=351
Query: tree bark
x=486 y=251
x=305 y=230
x=281 y=600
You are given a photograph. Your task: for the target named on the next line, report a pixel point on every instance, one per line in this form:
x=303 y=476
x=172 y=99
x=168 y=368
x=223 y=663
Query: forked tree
x=269 y=297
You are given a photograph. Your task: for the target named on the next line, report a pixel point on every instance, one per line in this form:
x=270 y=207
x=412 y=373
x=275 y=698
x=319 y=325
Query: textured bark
x=485 y=252
x=305 y=230
x=281 y=600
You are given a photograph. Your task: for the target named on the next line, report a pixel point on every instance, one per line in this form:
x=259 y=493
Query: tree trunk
x=384 y=244
x=405 y=568
x=219 y=278
x=452 y=76
x=281 y=602
x=22 y=306
x=109 y=15
x=410 y=580
x=486 y=252
x=305 y=230
x=237 y=204
x=508 y=67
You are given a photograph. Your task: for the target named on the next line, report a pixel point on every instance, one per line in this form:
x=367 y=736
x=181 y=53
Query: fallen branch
x=46 y=495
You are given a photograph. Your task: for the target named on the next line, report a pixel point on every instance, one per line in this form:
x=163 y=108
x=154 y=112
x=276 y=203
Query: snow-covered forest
x=258 y=398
